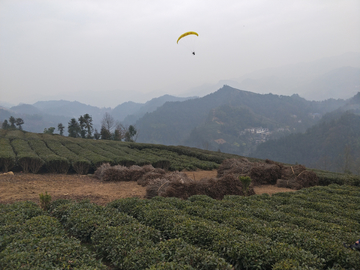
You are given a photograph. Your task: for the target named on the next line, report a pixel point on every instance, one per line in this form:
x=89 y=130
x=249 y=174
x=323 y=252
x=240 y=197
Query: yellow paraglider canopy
x=186 y=34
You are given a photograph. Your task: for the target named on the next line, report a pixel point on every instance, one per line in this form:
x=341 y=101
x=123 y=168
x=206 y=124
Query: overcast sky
x=112 y=51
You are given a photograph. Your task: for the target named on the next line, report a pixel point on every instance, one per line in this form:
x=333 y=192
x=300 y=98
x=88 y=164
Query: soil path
x=21 y=187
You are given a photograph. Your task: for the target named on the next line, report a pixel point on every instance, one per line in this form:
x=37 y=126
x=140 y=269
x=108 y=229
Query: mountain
x=218 y=119
x=25 y=109
x=151 y=106
x=124 y=109
x=45 y=114
x=71 y=109
x=332 y=144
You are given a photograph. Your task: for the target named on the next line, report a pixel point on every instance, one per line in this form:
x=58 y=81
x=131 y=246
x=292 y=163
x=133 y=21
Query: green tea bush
x=115 y=243
x=7 y=155
x=170 y=266
x=80 y=164
x=53 y=252
x=26 y=157
x=82 y=219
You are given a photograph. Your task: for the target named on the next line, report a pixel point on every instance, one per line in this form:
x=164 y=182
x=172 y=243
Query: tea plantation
x=36 y=152
x=298 y=230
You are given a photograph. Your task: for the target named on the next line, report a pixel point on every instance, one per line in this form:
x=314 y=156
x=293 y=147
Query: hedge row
x=243 y=251
x=126 y=243
x=53 y=162
x=79 y=164
x=7 y=155
x=33 y=240
x=95 y=159
x=26 y=157
x=260 y=215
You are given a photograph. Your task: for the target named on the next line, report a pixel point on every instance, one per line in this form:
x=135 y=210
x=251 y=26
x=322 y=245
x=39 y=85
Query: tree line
x=110 y=129
x=83 y=128
x=12 y=123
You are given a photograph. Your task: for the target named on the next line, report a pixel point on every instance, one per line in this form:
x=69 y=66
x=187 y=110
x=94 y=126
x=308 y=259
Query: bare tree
x=108 y=121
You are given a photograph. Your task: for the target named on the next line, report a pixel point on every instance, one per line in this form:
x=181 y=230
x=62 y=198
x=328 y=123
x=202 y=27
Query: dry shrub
x=235 y=166
x=117 y=173
x=121 y=173
x=303 y=180
x=270 y=172
x=180 y=186
x=136 y=172
x=265 y=173
x=307 y=179
x=99 y=173
x=151 y=175
x=289 y=172
x=175 y=184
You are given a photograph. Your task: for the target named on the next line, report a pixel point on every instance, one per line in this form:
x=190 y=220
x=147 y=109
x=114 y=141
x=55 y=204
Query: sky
x=107 y=52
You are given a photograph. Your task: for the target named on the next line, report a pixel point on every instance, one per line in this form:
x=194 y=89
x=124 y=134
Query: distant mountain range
x=45 y=114
x=222 y=120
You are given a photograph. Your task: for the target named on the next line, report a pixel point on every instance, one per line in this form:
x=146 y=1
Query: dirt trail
x=21 y=187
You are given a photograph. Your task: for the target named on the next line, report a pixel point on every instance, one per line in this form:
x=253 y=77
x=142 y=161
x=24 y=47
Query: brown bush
x=234 y=166
x=307 y=179
x=152 y=189
x=136 y=172
x=175 y=184
x=289 y=172
x=117 y=173
x=265 y=173
x=99 y=173
x=303 y=180
x=151 y=175
x=180 y=186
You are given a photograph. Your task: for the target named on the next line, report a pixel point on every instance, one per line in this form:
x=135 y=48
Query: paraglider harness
x=355 y=246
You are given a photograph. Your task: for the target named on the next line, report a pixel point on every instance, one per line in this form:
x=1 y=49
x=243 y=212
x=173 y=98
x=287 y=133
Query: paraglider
x=185 y=35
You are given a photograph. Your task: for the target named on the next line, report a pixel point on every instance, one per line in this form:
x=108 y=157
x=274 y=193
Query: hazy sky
x=112 y=51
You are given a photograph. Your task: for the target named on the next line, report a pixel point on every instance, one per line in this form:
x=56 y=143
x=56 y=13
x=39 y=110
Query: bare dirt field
x=21 y=187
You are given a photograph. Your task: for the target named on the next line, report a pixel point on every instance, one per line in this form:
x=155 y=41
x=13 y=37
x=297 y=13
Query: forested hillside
x=220 y=121
x=333 y=144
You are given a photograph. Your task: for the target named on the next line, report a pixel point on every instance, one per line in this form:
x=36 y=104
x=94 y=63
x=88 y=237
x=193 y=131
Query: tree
x=49 y=130
x=107 y=124
x=61 y=129
x=82 y=126
x=130 y=133
x=88 y=125
x=108 y=121
x=19 y=122
x=12 y=121
x=74 y=128
x=5 y=125
x=97 y=135
x=105 y=133
x=119 y=132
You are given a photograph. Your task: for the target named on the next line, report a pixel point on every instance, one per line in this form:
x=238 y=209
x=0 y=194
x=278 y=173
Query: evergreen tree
x=74 y=128
x=5 y=124
x=97 y=135
x=88 y=125
x=12 y=121
x=82 y=126
x=61 y=129
x=105 y=133
x=130 y=133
